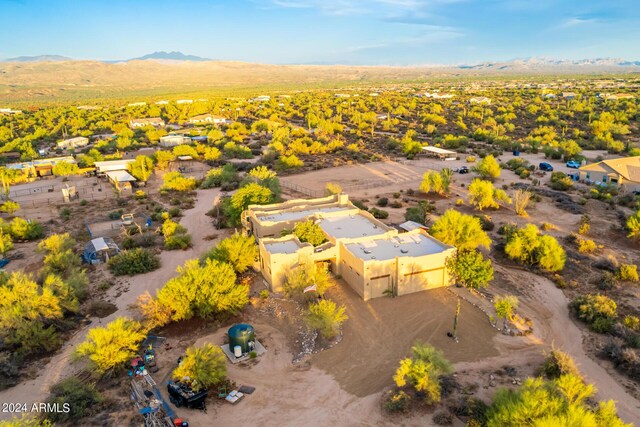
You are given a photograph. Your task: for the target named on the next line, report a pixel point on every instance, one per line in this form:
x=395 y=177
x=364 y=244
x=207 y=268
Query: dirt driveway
x=381 y=331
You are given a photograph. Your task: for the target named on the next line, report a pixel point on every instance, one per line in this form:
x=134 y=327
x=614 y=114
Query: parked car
x=463 y=169
x=544 y=166
x=573 y=164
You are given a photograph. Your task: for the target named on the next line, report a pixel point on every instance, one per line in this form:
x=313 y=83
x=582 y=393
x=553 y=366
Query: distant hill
x=39 y=58
x=170 y=56
x=52 y=81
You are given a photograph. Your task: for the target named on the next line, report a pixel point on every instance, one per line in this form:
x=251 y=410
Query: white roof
x=283 y=247
x=99 y=244
x=120 y=176
x=351 y=226
x=437 y=150
x=297 y=215
x=404 y=245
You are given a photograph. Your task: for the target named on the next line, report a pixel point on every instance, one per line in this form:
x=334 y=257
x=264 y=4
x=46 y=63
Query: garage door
x=422 y=280
x=378 y=285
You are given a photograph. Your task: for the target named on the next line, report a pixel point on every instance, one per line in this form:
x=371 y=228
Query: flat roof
x=437 y=150
x=120 y=176
x=283 y=247
x=297 y=215
x=351 y=226
x=403 y=245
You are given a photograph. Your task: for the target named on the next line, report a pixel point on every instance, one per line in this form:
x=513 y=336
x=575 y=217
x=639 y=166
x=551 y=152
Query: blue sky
x=377 y=32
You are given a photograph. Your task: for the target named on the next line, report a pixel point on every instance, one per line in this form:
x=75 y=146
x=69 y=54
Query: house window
x=604 y=179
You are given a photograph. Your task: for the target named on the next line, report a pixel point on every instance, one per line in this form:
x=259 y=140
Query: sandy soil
x=60 y=366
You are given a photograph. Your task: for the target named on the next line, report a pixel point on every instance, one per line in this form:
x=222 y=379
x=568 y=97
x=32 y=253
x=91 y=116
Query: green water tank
x=242 y=335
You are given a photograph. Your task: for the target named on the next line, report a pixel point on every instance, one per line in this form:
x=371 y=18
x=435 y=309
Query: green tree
x=65 y=169
x=482 y=194
x=23 y=229
x=488 y=168
x=239 y=250
x=111 y=346
x=438 y=182
x=204 y=290
x=134 y=261
x=470 y=269
x=559 y=402
x=163 y=159
x=205 y=366
x=262 y=176
x=460 y=230
x=423 y=371
x=141 y=168
x=6 y=242
x=505 y=306
x=325 y=317
x=178 y=182
x=305 y=275
x=310 y=232
x=252 y=194
x=528 y=246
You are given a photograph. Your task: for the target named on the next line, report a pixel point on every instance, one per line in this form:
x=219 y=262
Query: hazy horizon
x=349 y=32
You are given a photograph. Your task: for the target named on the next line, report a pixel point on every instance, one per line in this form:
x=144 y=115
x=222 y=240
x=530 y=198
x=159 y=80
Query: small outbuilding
x=100 y=250
x=122 y=180
x=439 y=153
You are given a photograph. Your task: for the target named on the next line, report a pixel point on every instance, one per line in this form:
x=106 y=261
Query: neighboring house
x=136 y=104
x=616 y=96
x=569 y=95
x=184 y=101
x=382 y=116
x=549 y=96
x=121 y=180
x=40 y=167
x=172 y=140
x=153 y=121
x=439 y=95
x=480 y=100
x=375 y=260
x=207 y=118
x=261 y=98
x=9 y=111
x=71 y=143
x=623 y=171
x=162 y=102
x=342 y=95
x=112 y=165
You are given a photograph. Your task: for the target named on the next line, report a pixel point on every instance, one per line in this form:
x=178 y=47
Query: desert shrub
x=505 y=306
x=178 y=241
x=561 y=401
x=332 y=188
x=522 y=198
x=310 y=232
x=141 y=168
x=239 y=250
x=462 y=231
x=419 y=213
x=134 y=261
x=598 y=311
x=529 y=247
x=111 y=346
x=607 y=282
x=115 y=215
x=26 y=420
x=171 y=228
x=395 y=204
x=23 y=229
x=437 y=182
x=80 y=396
x=586 y=246
x=633 y=225
x=204 y=290
x=585 y=225
x=628 y=273
x=6 y=242
x=395 y=402
x=205 y=366
x=65 y=214
x=251 y=194
x=379 y=213
x=422 y=371
x=325 y=317
x=145 y=240
x=9 y=207
x=560 y=181
x=557 y=364
x=631 y=322
x=382 y=202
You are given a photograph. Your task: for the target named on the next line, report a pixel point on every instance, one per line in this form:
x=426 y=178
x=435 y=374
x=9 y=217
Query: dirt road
x=60 y=366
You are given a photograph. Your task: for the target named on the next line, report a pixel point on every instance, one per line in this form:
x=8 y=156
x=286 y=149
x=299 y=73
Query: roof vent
x=404 y=251
x=373 y=257
x=366 y=251
x=396 y=245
